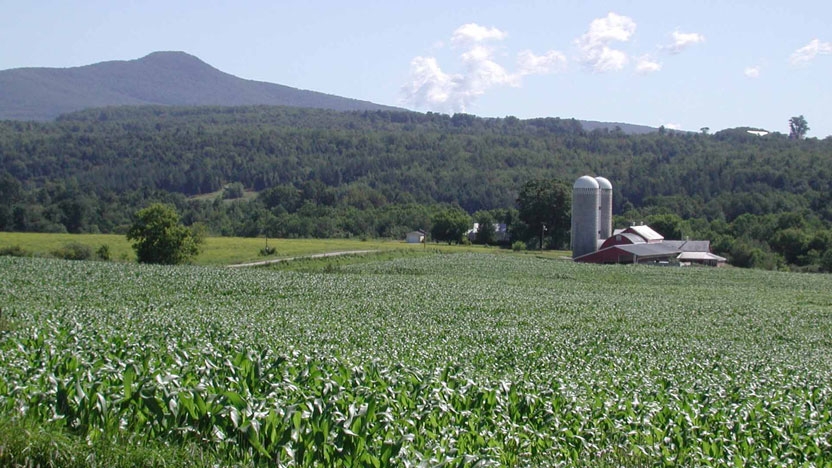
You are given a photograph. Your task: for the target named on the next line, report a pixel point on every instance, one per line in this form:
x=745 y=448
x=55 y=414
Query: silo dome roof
x=586 y=182
x=603 y=183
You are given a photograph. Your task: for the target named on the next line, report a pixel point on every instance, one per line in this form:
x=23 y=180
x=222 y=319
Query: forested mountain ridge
x=166 y=78
x=379 y=173
x=474 y=162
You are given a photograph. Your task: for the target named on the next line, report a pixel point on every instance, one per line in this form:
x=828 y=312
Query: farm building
x=592 y=242
x=641 y=244
x=415 y=237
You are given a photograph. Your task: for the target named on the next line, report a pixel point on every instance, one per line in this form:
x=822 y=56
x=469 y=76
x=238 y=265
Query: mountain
x=629 y=129
x=161 y=78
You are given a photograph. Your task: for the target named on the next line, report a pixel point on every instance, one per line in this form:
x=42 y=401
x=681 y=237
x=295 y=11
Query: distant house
x=500 y=232
x=641 y=244
x=415 y=237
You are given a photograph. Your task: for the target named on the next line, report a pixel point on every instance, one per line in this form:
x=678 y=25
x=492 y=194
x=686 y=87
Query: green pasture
x=413 y=359
x=233 y=250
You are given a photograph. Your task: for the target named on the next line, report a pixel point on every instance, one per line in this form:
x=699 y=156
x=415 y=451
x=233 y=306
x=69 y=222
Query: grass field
x=424 y=359
x=231 y=250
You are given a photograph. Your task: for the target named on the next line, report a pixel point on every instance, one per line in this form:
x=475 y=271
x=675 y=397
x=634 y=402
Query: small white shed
x=415 y=237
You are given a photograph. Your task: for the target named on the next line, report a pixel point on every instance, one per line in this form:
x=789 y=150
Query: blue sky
x=686 y=65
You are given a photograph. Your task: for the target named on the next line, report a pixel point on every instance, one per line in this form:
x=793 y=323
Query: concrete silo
x=585 y=194
x=604 y=208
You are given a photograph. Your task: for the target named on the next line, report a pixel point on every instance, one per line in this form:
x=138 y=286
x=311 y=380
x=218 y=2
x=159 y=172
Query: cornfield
x=461 y=360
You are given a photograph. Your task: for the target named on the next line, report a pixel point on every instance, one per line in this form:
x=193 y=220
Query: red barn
x=641 y=244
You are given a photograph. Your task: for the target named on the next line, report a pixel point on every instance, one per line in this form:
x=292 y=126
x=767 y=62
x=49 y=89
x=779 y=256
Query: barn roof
x=649 y=250
x=646 y=232
x=690 y=245
x=688 y=256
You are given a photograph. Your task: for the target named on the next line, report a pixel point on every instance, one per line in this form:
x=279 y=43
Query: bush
x=73 y=251
x=518 y=246
x=14 y=251
x=267 y=250
x=103 y=252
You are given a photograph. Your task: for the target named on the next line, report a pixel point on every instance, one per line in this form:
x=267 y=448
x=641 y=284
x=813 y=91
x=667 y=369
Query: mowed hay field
x=232 y=250
x=467 y=359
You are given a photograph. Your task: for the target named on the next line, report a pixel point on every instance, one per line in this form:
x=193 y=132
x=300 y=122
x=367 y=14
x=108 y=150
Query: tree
x=159 y=237
x=450 y=225
x=798 y=127
x=792 y=243
x=485 y=228
x=544 y=207
x=670 y=226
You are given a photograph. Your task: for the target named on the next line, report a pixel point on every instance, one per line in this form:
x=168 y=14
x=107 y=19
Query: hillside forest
x=763 y=201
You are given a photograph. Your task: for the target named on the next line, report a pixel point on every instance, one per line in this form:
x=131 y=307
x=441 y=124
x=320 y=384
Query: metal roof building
x=641 y=244
x=594 y=241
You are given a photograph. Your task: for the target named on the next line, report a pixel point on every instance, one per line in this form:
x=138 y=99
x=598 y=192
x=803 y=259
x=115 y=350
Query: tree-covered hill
x=427 y=158
x=91 y=170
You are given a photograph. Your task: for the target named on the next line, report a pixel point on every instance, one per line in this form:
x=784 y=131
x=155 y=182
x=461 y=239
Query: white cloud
x=429 y=85
x=531 y=64
x=432 y=88
x=682 y=41
x=646 y=65
x=474 y=33
x=752 y=72
x=811 y=50
x=594 y=45
x=672 y=126
x=612 y=27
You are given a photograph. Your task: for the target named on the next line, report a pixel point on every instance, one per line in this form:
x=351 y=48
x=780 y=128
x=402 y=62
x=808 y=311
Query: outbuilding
x=415 y=237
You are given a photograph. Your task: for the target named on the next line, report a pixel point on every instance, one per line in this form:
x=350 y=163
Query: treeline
x=289 y=172
x=797 y=241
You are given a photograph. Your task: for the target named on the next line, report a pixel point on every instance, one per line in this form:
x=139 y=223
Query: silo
x=584 y=216
x=604 y=208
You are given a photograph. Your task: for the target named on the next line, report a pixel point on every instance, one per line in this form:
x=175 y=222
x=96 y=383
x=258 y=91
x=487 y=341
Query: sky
x=685 y=65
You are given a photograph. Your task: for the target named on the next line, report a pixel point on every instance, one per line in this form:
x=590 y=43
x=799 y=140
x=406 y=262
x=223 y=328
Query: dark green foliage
x=798 y=127
x=73 y=251
x=668 y=225
x=544 y=206
x=826 y=261
x=449 y=225
x=159 y=237
x=792 y=243
x=485 y=231
x=233 y=191
x=14 y=251
x=103 y=252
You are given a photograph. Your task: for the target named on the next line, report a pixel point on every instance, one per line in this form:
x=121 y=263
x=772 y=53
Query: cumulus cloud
x=595 y=45
x=530 y=64
x=428 y=83
x=682 y=41
x=474 y=33
x=646 y=65
x=752 y=72
x=811 y=50
x=672 y=126
x=431 y=88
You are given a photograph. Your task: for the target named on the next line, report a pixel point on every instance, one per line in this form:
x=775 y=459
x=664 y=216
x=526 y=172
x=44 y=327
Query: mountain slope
x=166 y=78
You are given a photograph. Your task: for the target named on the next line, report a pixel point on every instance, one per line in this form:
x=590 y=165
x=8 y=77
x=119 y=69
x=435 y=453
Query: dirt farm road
x=287 y=259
